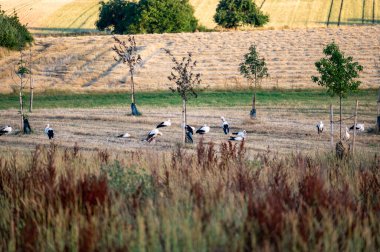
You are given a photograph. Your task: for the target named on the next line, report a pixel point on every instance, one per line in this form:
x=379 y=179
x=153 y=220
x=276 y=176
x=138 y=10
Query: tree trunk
x=30 y=81
x=340 y=117
x=254 y=100
x=132 y=88
x=31 y=96
x=21 y=107
x=331 y=127
x=184 y=121
x=21 y=102
x=355 y=121
x=135 y=112
x=253 y=111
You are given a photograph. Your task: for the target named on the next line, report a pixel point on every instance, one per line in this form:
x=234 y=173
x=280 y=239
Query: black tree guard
x=135 y=112
x=253 y=113
x=27 y=128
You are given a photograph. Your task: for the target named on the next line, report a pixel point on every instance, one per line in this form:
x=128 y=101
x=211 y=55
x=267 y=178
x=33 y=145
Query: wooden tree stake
x=355 y=121
x=331 y=127
x=31 y=84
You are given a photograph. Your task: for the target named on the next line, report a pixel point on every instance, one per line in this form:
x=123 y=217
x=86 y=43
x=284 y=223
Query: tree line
x=159 y=16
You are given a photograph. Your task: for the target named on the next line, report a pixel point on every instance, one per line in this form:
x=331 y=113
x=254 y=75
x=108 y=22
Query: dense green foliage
x=338 y=73
x=147 y=16
x=222 y=98
x=234 y=13
x=254 y=67
x=118 y=15
x=13 y=34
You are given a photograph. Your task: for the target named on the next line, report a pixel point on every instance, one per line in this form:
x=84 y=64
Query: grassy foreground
x=166 y=98
x=213 y=199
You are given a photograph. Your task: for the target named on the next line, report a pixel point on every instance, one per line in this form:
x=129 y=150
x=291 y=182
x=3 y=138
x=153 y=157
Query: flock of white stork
x=359 y=127
x=153 y=134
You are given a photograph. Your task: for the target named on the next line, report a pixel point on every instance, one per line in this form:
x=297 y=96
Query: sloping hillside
x=87 y=62
x=74 y=15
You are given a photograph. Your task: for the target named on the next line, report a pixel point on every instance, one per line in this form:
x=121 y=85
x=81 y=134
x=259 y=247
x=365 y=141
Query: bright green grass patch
x=303 y=98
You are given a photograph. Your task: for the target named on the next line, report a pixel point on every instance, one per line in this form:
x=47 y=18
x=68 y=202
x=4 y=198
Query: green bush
x=13 y=34
x=147 y=16
x=128 y=180
x=234 y=13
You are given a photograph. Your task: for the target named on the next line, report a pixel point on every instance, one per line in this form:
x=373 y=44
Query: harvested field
x=282 y=129
x=83 y=63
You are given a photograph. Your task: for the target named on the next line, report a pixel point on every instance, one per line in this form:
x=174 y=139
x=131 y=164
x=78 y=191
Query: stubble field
x=87 y=63
x=281 y=127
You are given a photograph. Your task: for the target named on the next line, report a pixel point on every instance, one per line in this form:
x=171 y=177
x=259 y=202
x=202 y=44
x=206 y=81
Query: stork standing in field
x=359 y=127
x=152 y=135
x=164 y=124
x=203 y=130
x=225 y=125
x=320 y=127
x=5 y=130
x=49 y=131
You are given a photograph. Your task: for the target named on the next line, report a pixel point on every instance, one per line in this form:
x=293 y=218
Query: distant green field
x=209 y=98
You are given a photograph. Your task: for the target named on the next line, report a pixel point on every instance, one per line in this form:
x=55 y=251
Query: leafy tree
x=119 y=15
x=13 y=34
x=159 y=16
x=147 y=16
x=254 y=69
x=186 y=82
x=21 y=71
x=127 y=53
x=337 y=74
x=234 y=13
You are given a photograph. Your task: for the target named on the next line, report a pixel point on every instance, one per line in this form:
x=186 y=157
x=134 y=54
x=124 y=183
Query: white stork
x=346 y=135
x=164 y=124
x=190 y=129
x=359 y=127
x=225 y=125
x=152 y=135
x=236 y=138
x=203 y=130
x=5 y=130
x=49 y=131
x=320 y=127
x=240 y=133
x=125 y=135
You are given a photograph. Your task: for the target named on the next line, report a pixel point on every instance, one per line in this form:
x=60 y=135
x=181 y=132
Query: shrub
x=147 y=16
x=13 y=34
x=234 y=13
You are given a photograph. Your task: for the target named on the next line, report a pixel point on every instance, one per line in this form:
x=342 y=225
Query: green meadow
x=218 y=98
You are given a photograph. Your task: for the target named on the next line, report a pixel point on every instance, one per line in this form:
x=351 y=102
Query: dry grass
x=80 y=14
x=76 y=63
x=216 y=198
